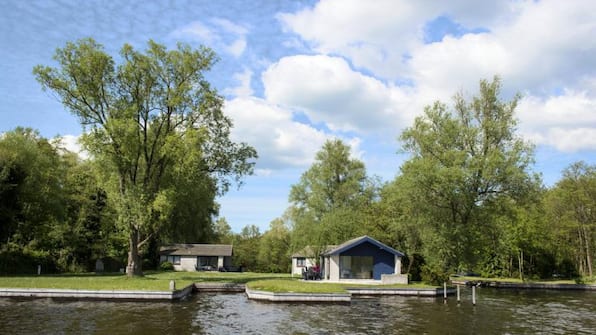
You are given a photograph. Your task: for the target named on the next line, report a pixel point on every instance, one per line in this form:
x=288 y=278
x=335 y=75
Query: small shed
x=197 y=257
x=363 y=258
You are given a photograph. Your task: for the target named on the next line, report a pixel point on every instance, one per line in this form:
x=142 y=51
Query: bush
x=434 y=275
x=166 y=266
x=26 y=262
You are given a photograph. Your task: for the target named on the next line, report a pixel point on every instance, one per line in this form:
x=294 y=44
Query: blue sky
x=295 y=73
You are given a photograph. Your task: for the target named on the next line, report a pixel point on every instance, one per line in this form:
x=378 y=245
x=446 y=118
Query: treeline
x=466 y=200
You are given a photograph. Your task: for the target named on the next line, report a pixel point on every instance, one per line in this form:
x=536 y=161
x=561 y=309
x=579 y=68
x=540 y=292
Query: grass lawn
x=152 y=281
x=160 y=281
x=296 y=286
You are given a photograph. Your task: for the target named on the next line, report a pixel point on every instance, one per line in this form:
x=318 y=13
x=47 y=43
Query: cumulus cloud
x=566 y=122
x=280 y=141
x=367 y=53
x=330 y=92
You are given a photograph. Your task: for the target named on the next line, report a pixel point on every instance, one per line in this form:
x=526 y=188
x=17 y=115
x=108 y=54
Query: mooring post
x=444 y=290
x=458 y=296
x=474 y=295
x=172 y=285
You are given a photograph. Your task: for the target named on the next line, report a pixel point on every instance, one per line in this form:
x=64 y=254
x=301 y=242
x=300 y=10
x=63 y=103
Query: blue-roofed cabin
x=363 y=258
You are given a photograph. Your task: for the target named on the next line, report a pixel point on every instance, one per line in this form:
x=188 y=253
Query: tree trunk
x=410 y=263
x=521 y=264
x=133 y=267
x=588 y=251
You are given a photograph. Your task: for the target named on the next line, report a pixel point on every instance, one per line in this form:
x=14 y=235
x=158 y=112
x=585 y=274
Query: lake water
x=496 y=312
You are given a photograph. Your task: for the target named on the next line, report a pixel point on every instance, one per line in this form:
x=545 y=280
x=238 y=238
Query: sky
x=295 y=73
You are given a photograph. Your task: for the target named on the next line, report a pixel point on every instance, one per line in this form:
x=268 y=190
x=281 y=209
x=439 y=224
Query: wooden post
x=444 y=290
x=474 y=295
x=458 y=295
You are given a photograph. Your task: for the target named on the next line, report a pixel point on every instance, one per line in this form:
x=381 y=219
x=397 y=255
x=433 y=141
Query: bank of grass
x=528 y=281
x=299 y=286
x=151 y=281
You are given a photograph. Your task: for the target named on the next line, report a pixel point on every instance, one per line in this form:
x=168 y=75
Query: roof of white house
x=197 y=250
x=359 y=240
x=309 y=251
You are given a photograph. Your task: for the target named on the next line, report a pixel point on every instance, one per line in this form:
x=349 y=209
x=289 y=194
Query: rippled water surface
x=496 y=312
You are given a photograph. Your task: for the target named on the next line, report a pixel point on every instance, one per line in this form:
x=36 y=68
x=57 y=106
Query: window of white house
x=174 y=260
x=300 y=262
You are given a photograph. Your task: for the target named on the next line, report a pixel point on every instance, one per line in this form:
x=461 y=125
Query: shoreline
x=530 y=286
x=129 y=295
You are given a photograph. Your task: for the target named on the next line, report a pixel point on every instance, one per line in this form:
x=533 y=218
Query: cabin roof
x=196 y=250
x=359 y=240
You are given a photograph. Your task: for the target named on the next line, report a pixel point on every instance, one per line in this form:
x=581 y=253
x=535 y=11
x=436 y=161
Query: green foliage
x=434 y=275
x=166 y=266
x=158 y=128
x=331 y=202
x=273 y=255
x=467 y=164
x=246 y=248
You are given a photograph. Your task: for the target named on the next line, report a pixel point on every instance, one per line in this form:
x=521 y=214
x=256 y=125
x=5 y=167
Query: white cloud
x=280 y=141
x=72 y=144
x=329 y=91
x=566 y=122
x=196 y=30
x=220 y=33
x=244 y=84
x=541 y=48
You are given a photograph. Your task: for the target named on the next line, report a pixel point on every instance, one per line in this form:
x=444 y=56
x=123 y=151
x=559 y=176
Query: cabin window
x=300 y=262
x=356 y=267
x=174 y=260
x=207 y=263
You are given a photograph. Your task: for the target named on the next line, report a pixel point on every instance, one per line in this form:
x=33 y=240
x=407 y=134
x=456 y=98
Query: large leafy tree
x=467 y=163
x=32 y=174
x=144 y=119
x=329 y=201
x=571 y=205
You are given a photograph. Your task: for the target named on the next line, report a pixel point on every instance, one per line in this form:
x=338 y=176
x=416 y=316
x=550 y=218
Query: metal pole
x=458 y=295
x=474 y=295
x=444 y=290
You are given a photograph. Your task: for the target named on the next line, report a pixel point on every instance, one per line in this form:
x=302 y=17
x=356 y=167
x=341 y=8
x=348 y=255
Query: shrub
x=434 y=275
x=166 y=266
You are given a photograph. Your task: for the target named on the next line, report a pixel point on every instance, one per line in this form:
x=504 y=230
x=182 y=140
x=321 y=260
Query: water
x=496 y=312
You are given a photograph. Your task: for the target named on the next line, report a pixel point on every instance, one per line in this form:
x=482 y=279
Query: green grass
x=160 y=281
x=152 y=281
x=296 y=286
x=517 y=280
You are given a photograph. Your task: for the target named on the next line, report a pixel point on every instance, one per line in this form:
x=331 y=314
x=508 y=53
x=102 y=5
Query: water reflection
x=497 y=312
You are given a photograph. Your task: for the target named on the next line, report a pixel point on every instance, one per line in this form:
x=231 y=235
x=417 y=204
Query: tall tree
x=572 y=207
x=464 y=163
x=32 y=175
x=150 y=114
x=328 y=201
x=274 y=248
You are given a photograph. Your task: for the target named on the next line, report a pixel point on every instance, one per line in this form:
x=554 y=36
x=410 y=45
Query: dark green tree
x=466 y=163
x=142 y=119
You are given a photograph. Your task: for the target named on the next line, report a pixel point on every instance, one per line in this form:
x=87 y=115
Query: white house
x=197 y=257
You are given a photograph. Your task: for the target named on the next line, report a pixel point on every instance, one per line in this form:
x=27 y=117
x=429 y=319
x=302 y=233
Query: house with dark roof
x=363 y=258
x=197 y=257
